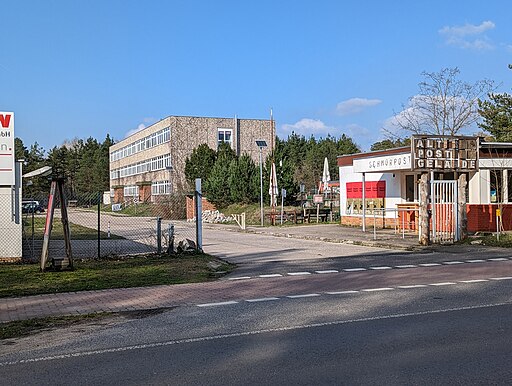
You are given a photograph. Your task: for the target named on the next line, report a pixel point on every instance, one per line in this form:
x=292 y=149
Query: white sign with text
x=6 y=148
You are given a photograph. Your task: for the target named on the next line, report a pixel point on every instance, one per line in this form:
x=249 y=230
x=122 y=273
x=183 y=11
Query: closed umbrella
x=326 y=176
x=272 y=190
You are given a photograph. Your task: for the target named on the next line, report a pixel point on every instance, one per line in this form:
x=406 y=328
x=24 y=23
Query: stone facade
x=187 y=133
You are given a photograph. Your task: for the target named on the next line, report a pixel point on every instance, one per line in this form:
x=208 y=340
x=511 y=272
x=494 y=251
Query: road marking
x=428 y=264
x=406 y=266
x=441 y=284
x=271 y=275
x=298 y=273
x=377 y=289
x=452 y=262
x=261 y=300
x=412 y=286
x=498 y=259
x=302 y=296
x=475 y=261
x=474 y=281
x=328 y=271
x=239 y=278
x=246 y=333
x=354 y=269
x=501 y=278
x=381 y=267
x=342 y=292
x=217 y=304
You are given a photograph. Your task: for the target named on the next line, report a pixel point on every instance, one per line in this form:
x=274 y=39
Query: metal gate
x=444 y=222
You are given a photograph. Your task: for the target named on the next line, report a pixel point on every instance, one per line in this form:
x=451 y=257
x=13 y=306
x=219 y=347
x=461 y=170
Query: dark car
x=31 y=207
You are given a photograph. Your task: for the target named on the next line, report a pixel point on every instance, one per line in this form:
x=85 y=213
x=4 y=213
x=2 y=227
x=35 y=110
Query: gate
x=444 y=222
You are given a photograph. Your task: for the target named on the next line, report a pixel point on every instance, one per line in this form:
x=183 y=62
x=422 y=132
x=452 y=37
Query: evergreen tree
x=243 y=180
x=497 y=116
x=200 y=163
x=390 y=144
x=216 y=185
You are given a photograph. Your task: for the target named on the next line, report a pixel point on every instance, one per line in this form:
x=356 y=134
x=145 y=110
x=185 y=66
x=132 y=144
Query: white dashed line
x=501 y=278
x=328 y=271
x=412 y=286
x=475 y=261
x=217 y=304
x=380 y=268
x=406 y=266
x=498 y=259
x=441 y=284
x=298 y=273
x=302 y=296
x=239 y=278
x=271 y=275
x=474 y=281
x=342 y=292
x=261 y=300
x=428 y=264
x=354 y=269
x=452 y=262
x=377 y=289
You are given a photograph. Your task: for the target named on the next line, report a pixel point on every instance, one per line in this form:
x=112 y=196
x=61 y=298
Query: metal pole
x=159 y=235
x=374 y=226
x=99 y=224
x=199 y=215
x=364 y=203
x=261 y=190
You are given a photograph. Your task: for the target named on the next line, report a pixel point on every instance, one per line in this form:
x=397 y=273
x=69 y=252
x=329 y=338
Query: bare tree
x=444 y=105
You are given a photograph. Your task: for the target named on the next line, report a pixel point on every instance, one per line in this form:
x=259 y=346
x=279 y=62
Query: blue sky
x=87 y=68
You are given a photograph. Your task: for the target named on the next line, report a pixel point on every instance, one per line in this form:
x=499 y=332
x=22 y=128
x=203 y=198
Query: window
x=160 y=187
x=150 y=141
x=496 y=186
x=131 y=191
x=156 y=163
x=225 y=135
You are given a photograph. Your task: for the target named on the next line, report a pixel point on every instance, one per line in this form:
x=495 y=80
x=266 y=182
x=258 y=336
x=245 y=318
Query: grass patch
x=21 y=328
x=78 y=232
x=95 y=274
x=491 y=240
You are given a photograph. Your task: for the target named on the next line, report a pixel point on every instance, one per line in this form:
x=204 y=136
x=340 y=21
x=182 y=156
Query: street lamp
x=261 y=144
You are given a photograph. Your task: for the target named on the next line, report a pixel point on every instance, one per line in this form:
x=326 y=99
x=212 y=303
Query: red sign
x=373 y=189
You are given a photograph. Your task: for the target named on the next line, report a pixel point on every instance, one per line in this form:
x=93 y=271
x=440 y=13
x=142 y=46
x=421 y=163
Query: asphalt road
x=440 y=333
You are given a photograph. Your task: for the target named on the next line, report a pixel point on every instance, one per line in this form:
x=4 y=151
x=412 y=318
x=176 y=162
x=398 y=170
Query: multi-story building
x=151 y=162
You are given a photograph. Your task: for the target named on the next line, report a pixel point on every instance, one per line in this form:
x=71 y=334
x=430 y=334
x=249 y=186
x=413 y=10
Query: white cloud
x=307 y=127
x=469 y=36
x=355 y=105
x=146 y=121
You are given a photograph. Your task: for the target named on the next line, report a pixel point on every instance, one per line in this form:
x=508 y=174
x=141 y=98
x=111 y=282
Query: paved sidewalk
x=383 y=238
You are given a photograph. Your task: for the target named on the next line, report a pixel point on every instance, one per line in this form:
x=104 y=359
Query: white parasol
x=326 y=176
x=272 y=190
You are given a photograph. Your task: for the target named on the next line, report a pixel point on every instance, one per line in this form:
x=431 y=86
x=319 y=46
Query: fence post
x=99 y=224
x=199 y=215
x=159 y=235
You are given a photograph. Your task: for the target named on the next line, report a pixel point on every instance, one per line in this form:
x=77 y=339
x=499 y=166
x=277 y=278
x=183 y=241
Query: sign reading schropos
x=6 y=148
x=444 y=153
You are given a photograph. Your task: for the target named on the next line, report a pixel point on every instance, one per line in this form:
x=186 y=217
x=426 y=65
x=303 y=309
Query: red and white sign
x=6 y=148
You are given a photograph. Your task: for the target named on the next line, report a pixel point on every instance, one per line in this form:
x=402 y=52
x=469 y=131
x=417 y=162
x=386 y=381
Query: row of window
x=156 y=163
x=148 y=142
x=157 y=188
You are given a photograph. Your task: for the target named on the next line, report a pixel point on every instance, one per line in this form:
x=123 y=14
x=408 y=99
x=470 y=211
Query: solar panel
x=261 y=143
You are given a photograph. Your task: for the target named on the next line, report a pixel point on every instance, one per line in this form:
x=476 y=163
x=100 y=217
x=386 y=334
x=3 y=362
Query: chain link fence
x=99 y=230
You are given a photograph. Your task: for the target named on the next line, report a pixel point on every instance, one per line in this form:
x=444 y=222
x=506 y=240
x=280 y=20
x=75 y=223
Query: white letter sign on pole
x=6 y=148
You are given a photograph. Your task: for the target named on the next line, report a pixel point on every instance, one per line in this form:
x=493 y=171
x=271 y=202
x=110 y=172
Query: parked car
x=31 y=207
